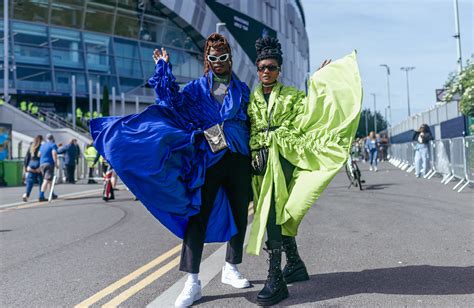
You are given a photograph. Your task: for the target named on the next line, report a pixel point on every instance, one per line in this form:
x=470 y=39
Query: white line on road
x=87 y=192
x=209 y=269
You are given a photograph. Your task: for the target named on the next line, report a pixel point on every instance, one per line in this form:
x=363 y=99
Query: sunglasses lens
x=271 y=68
x=224 y=57
x=212 y=58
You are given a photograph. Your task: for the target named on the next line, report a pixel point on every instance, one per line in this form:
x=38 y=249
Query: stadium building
x=107 y=45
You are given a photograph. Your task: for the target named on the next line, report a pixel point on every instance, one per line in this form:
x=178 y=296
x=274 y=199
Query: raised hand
x=157 y=55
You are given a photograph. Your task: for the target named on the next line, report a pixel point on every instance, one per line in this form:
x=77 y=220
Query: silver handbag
x=215 y=138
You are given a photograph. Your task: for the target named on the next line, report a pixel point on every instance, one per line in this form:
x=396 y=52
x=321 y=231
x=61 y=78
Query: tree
x=381 y=123
x=462 y=84
x=105 y=102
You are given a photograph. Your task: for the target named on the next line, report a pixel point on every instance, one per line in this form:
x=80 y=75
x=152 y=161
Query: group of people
x=32 y=109
x=41 y=161
x=196 y=157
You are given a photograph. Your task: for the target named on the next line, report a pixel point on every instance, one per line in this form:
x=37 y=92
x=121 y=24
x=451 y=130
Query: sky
x=398 y=33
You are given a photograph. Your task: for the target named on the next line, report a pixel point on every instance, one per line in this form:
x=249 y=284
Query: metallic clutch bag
x=215 y=138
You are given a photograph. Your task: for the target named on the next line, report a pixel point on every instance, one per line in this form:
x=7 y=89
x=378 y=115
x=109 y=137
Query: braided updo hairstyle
x=218 y=42
x=268 y=48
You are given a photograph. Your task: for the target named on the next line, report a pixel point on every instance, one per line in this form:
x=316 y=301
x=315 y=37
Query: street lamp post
x=5 y=51
x=407 y=69
x=366 y=122
x=457 y=35
x=389 y=99
x=375 y=111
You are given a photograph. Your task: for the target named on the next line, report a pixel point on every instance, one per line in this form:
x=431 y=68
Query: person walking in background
x=371 y=145
x=71 y=158
x=48 y=162
x=90 y=154
x=422 y=137
x=31 y=167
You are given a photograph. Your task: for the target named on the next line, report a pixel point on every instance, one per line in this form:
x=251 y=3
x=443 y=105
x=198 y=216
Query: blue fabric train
x=162 y=155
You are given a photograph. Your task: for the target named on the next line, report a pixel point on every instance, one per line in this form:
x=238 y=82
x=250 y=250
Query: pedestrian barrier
x=449 y=158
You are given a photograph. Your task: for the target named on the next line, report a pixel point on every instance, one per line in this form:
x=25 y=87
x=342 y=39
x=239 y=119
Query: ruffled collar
x=273 y=95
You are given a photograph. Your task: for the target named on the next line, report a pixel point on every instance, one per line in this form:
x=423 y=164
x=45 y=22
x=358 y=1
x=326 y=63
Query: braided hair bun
x=268 y=48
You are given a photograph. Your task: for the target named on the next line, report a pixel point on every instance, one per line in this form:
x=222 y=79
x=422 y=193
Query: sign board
x=243 y=28
x=441 y=93
x=5 y=141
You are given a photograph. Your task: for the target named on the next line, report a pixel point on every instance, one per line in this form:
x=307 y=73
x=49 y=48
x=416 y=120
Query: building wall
x=110 y=42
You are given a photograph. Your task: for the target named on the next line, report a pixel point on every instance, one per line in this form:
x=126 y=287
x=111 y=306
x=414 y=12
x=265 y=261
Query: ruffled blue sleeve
x=165 y=85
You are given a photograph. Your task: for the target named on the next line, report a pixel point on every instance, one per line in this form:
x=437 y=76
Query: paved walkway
x=11 y=196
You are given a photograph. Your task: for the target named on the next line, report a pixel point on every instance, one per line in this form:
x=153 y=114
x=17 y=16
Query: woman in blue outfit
x=31 y=167
x=371 y=145
x=186 y=158
x=422 y=137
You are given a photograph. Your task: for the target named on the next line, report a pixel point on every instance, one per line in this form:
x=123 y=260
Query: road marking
x=125 y=280
x=150 y=278
x=23 y=205
x=209 y=269
x=142 y=284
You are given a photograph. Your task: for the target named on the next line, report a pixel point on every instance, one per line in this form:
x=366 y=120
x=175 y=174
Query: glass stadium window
x=152 y=29
x=128 y=67
x=31 y=10
x=104 y=80
x=129 y=84
x=1 y=40
x=98 y=52
x=107 y=2
x=29 y=78
x=67 y=48
x=34 y=35
x=147 y=59
x=127 y=58
x=174 y=36
x=65 y=13
x=127 y=24
x=64 y=81
x=98 y=19
x=129 y=4
x=31 y=55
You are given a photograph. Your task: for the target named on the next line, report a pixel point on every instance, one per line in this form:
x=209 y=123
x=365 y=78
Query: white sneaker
x=234 y=278
x=24 y=197
x=375 y=169
x=370 y=169
x=190 y=294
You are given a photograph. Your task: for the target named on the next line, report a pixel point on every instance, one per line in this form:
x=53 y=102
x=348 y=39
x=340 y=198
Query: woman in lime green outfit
x=298 y=144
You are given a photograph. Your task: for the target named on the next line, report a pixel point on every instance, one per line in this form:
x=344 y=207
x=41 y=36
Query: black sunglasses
x=271 y=68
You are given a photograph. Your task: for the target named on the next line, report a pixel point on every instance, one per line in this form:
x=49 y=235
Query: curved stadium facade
x=110 y=43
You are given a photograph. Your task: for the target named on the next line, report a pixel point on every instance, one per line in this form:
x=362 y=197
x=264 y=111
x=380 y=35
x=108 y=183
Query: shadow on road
x=376 y=186
x=408 y=280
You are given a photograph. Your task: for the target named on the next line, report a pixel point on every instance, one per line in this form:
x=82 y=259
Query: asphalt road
x=401 y=242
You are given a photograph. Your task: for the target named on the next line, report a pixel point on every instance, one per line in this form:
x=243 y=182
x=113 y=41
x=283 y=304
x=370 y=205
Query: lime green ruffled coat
x=314 y=134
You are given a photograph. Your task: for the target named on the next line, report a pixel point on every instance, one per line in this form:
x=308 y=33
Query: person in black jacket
x=71 y=158
x=422 y=137
x=31 y=167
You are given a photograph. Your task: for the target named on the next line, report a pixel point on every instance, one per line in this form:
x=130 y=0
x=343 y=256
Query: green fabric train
x=314 y=134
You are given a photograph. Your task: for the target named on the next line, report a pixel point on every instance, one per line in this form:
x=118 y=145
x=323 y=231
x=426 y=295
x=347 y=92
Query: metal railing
x=450 y=158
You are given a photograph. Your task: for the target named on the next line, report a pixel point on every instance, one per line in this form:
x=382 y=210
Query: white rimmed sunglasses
x=221 y=58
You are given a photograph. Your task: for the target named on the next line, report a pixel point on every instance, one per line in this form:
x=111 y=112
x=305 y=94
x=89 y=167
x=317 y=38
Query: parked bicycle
x=353 y=173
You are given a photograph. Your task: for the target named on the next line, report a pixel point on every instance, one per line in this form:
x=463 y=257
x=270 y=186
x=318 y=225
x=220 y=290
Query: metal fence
x=449 y=158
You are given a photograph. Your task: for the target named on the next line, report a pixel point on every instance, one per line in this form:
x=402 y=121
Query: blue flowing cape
x=161 y=154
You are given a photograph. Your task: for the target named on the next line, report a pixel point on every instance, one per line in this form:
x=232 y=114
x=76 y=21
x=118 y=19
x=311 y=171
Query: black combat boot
x=294 y=270
x=275 y=289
